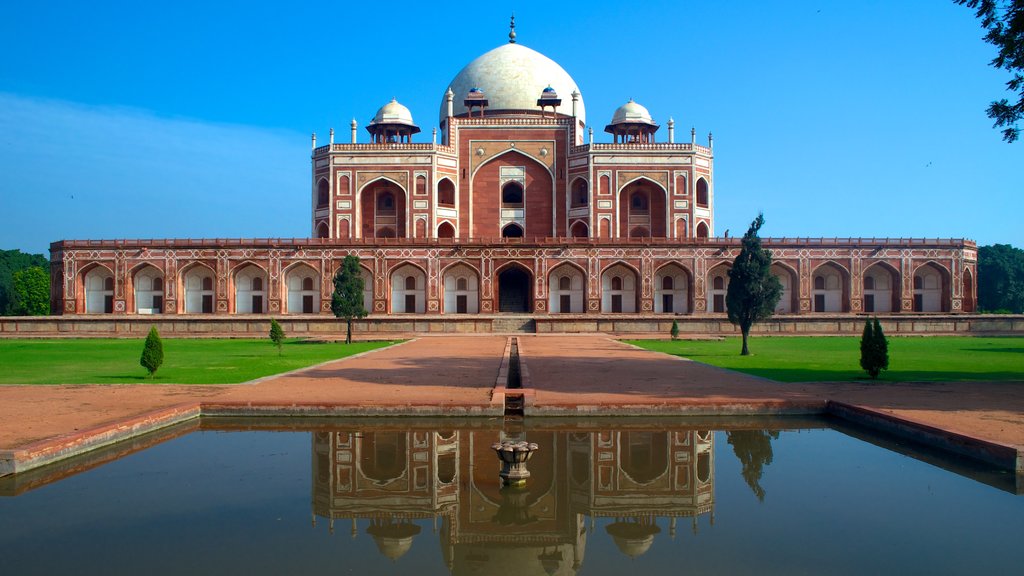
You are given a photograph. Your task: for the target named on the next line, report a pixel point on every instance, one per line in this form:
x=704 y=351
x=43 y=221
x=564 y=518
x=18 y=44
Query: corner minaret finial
x=512 y=30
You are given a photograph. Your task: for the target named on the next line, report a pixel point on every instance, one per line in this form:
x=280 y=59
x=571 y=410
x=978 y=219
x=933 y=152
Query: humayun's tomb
x=509 y=206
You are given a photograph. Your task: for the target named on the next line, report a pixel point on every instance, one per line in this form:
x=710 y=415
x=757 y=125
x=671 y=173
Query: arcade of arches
x=466 y=283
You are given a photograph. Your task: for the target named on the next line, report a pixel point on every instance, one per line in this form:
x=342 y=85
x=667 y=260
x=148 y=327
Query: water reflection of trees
x=753 y=448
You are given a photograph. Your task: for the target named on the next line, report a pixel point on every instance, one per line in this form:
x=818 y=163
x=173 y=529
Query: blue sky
x=192 y=119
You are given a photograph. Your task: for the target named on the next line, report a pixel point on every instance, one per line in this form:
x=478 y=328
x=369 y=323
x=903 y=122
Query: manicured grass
x=107 y=361
x=812 y=359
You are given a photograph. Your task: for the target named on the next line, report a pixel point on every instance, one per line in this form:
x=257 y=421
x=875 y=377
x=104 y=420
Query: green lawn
x=808 y=359
x=108 y=361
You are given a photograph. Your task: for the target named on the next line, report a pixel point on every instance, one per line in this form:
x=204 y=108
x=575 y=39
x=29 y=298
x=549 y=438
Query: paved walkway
x=455 y=374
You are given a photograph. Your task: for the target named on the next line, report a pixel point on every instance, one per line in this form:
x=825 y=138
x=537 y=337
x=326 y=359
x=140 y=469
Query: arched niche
x=880 y=289
x=789 y=299
x=198 y=282
x=566 y=290
x=98 y=283
x=302 y=283
x=619 y=290
x=251 y=290
x=717 y=288
x=461 y=290
x=931 y=288
x=408 y=290
x=148 y=288
x=672 y=290
x=830 y=288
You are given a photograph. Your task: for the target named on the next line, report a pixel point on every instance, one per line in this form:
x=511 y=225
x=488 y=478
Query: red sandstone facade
x=510 y=212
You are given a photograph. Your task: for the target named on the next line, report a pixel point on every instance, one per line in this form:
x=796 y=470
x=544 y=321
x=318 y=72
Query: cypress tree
x=874 y=349
x=276 y=335
x=674 y=332
x=152 y=352
x=753 y=291
x=347 y=299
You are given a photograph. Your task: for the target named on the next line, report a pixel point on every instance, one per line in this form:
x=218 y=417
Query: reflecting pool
x=424 y=497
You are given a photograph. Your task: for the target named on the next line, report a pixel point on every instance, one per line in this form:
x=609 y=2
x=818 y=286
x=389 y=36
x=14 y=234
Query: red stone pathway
x=455 y=374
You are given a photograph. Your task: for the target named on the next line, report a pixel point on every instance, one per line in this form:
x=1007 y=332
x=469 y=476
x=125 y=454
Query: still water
x=424 y=497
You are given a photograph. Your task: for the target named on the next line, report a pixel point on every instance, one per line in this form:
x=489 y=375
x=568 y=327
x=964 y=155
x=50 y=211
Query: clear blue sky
x=192 y=119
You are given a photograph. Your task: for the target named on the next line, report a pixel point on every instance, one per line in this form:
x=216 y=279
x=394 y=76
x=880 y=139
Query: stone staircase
x=523 y=324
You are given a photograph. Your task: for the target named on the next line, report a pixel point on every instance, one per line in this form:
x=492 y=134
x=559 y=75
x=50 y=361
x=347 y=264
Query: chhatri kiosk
x=509 y=206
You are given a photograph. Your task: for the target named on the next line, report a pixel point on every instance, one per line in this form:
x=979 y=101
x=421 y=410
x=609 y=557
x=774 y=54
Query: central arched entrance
x=514 y=290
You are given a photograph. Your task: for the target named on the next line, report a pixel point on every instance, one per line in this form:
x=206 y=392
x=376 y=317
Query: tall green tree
x=347 y=299
x=30 y=292
x=1001 y=278
x=1003 y=21
x=753 y=292
x=276 y=335
x=152 y=352
x=874 y=349
x=753 y=448
x=10 y=262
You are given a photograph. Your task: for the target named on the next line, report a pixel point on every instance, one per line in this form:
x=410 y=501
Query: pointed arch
x=931 y=287
x=302 y=288
x=789 y=300
x=445 y=230
x=376 y=217
x=445 y=192
x=880 y=284
x=461 y=284
x=323 y=190
x=408 y=288
x=702 y=193
x=673 y=285
x=830 y=288
x=567 y=286
x=97 y=283
x=579 y=229
x=579 y=192
x=146 y=289
x=251 y=284
x=620 y=283
x=512 y=230
x=968 y=292
x=643 y=208
x=322 y=230
x=717 y=287
x=198 y=282
x=702 y=230
x=515 y=287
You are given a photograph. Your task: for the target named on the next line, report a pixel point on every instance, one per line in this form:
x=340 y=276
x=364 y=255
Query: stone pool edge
x=66 y=446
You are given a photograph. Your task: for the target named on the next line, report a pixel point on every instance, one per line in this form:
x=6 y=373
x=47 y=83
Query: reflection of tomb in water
x=387 y=477
x=636 y=478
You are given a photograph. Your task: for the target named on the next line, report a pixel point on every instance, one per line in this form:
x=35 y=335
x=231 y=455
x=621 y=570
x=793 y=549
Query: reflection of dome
x=512 y=76
x=631 y=113
x=633 y=538
x=393 y=113
x=393 y=540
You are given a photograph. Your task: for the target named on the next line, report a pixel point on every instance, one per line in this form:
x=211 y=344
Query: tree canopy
x=1001 y=279
x=753 y=291
x=10 y=262
x=1003 y=21
x=347 y=299
x=30 y=292
x=753 y=448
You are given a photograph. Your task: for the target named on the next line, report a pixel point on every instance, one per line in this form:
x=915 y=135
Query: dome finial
x=512 y=30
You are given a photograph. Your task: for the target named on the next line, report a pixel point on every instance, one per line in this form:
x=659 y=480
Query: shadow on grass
x=887 y=377
x=1001 y=350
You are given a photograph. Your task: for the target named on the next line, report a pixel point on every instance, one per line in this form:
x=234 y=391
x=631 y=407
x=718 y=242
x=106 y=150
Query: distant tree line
x=1001 y=279
x=24 y=284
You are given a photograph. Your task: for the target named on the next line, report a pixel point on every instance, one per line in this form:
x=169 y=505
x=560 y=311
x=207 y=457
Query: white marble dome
x=631 y=113
x=393 y=113
x=512 y=76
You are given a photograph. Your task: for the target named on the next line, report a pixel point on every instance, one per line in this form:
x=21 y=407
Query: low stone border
x=994 y=453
